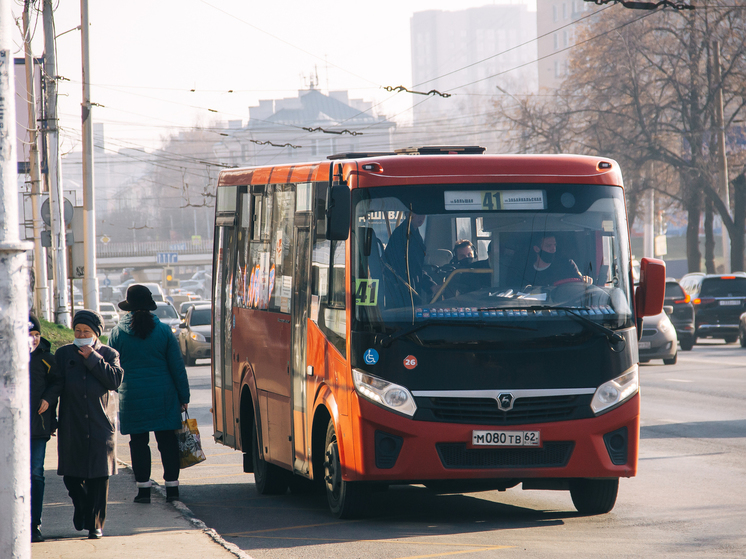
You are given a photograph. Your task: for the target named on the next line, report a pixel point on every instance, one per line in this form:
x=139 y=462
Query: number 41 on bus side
x=366 y=292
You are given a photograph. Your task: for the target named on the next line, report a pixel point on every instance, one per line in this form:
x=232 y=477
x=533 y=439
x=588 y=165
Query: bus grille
x=552 y=455
x=484 y=411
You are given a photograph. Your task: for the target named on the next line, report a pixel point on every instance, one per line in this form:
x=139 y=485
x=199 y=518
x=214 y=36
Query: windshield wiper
x=616 y=340
x=388 y=340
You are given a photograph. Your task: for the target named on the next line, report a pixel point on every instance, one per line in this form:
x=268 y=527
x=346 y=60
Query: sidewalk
x=160 y=529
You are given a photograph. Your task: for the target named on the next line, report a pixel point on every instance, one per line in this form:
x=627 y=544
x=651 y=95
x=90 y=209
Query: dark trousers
x=90 y=496
x=168 y=445
x=38 y=452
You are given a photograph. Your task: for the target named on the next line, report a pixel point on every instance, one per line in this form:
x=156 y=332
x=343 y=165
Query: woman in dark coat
x=46 y=384
x=87 y=437
x=155 y=389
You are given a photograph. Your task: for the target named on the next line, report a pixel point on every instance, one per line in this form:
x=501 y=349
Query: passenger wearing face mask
x=547 y=269
x=46 y=385
x=87 y=438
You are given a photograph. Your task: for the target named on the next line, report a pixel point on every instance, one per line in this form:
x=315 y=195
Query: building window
x=556 y=41
x=554 y=13
x=564 y=10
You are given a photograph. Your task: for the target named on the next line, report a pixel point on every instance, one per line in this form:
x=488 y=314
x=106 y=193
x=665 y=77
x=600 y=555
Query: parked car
x=195 y=286
x=110 y=314
x=195 y=335
x=718 y=304
x=658 y=339
x=682 y=316
x=167 y=313
x=186 y=305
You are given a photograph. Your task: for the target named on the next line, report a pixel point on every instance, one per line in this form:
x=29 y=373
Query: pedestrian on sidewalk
x=87 y=438
x=46 y=385
x=155 y=390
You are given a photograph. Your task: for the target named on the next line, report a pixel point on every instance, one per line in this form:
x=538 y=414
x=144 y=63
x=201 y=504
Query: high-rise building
x=556 y=26
x=469 y=53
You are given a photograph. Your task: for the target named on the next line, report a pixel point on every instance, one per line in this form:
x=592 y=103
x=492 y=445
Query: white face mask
x=83 y=341
x=33 y=343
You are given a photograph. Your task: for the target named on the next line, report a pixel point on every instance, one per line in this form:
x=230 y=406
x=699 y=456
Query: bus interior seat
x=439 y=257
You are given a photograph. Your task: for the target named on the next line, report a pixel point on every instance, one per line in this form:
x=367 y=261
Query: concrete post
x=15 y=451
x=62 y=313
x=90 y=283
x=41 y=290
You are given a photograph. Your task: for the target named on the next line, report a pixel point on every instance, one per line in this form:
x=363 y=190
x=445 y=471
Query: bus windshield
x=490 y=252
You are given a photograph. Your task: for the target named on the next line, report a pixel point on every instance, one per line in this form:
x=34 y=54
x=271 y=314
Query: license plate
x=505 y=438
x=643 y=345
x=729 y=303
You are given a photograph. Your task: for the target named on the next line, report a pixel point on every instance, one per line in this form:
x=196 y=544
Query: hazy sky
x=147 y=56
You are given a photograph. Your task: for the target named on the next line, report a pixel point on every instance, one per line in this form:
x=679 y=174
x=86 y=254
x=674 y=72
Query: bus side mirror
x=652 y=289
x=338 y=213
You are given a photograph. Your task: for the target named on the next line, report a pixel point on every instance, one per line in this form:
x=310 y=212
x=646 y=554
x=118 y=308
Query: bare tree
x=641 y=89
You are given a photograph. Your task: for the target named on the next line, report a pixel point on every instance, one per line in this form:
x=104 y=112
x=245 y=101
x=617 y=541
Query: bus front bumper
x=393 y=448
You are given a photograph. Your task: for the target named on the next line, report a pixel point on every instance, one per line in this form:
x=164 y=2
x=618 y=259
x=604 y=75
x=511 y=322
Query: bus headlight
x=612 y=393
x=385 y=393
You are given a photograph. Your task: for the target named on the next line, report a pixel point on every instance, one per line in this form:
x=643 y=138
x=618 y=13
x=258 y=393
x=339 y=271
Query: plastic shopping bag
x=190 y=447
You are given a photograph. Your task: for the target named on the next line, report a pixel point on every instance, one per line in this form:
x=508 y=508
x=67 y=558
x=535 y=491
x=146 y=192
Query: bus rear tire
x=594 y=496
x=346 y=498
x=268 y=478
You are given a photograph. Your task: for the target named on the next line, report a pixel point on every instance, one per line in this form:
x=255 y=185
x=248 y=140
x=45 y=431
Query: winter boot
x=172 y=491
x=143 y=495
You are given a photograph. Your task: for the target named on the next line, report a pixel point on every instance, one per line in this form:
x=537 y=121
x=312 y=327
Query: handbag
x=190 y=446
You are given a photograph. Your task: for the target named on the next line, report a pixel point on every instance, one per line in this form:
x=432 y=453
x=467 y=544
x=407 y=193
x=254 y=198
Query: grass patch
x=58 y=335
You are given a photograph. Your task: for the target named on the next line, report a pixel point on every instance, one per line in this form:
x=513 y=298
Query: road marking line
x=678 y=380
x=240 y=534
x=459 y=552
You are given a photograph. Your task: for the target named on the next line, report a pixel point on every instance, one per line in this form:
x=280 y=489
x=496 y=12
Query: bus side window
x=281 y=243
x=328 y=290
x=242 y=254
x=257 y=270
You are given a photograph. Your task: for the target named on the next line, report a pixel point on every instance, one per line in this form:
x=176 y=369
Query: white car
x=110 y=314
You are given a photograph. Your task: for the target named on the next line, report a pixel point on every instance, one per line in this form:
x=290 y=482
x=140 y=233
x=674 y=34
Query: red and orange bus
x=352 y=348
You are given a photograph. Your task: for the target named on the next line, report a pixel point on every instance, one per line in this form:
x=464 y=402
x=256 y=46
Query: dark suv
x=718 y=304
x=682 y=316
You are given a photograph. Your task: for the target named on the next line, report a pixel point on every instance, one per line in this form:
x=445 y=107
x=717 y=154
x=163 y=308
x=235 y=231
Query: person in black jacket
x=87 y=438
x=46 y=385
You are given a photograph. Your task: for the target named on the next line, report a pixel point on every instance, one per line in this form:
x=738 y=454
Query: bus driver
x=547 y=270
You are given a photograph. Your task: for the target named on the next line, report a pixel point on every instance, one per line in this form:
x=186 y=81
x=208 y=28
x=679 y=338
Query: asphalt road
x=688 y=500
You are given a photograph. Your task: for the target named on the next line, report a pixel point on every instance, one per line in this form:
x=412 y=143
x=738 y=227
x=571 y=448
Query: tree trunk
x=709 y=239
x=739 y=224
x=693 y=256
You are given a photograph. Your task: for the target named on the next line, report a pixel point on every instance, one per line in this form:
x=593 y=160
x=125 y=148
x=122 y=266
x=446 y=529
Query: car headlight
x=664 y=324
x=197 y=337
x=612 y=393
x=385 y=393
x=174 y=329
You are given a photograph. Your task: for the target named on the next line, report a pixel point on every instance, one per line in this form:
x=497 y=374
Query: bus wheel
x=269 y=479
x=594 y=496
x=345 y=498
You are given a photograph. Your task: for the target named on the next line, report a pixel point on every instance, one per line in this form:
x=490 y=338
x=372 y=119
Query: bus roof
x=384 y=170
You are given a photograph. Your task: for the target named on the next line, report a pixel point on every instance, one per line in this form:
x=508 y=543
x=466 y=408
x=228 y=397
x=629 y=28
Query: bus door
x=222 y=320
x=301 y=275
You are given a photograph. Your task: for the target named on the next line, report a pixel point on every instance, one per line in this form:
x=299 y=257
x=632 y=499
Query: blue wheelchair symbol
x=370 y=357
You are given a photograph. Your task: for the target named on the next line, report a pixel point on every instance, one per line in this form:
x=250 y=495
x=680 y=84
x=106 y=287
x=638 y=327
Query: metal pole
x=723 y=158
x=54 y=165
x=15 y=460
x=648 y=227
x=90 y=284
x=41 y=291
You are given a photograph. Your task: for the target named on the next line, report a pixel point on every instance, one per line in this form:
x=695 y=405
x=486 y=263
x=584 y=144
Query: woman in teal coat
x=154 y=392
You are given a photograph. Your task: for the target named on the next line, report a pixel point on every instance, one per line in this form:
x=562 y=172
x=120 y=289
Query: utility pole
x=723 y=159
x=54 y=165
x=41 y=289
x=90 y=283
x=15 y=460
x=648 y=248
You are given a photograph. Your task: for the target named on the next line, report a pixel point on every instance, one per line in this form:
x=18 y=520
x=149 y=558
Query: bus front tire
x=268 y=478
x=346 y=499
x=594 y=496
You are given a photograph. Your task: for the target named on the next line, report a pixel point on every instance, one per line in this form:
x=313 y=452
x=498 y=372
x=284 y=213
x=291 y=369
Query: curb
x=187 y=513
